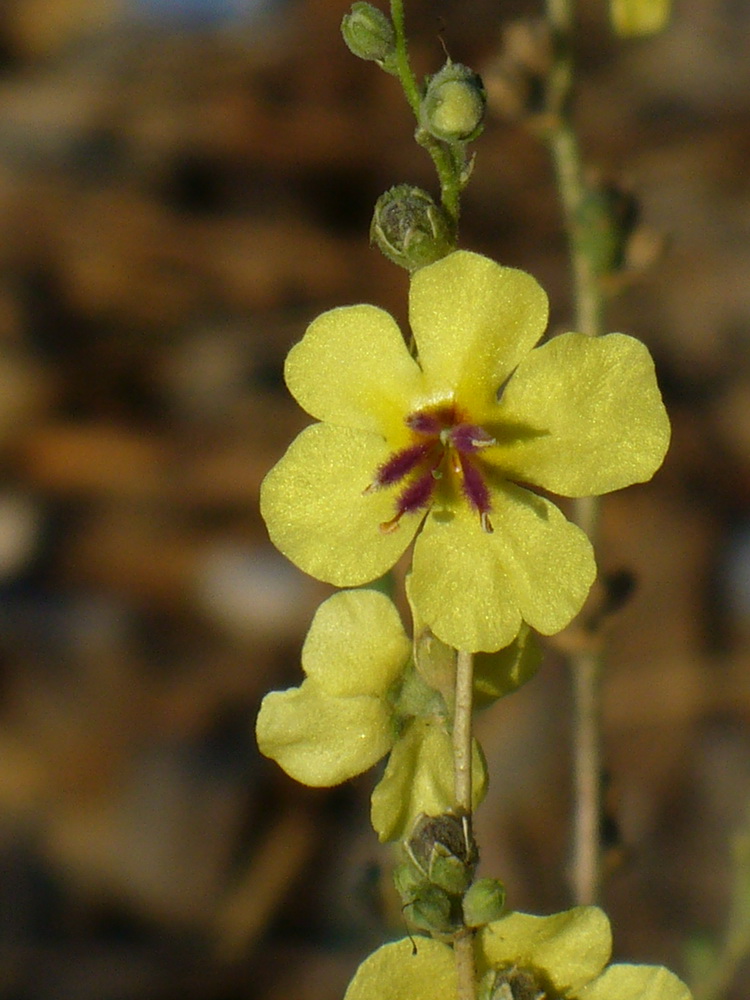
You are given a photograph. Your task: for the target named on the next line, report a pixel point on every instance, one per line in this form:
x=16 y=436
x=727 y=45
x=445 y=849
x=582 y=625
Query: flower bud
x=431 y=911
x=453 y=105
x=369 y=34
x=483 y=902
x=410 y=229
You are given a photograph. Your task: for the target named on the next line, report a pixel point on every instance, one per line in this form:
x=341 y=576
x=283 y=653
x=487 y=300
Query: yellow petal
x=316 y=513
x=473 y=321
x=571 y=947
x=597 y=412
x=352 y=368
x=410 y=969
x=356 y=644
x=321 y=740
x=636 y=982
x=498 y=674
x=419 y=779
x=473 y=588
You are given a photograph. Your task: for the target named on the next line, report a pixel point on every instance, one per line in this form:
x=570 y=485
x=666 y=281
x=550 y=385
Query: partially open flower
x=459 y=448
x=361 y=699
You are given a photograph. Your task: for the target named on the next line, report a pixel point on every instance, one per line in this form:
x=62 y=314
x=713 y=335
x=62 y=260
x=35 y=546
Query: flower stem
x=463 y=944
x=462 y=730
x=447 y=168
x=585 y=664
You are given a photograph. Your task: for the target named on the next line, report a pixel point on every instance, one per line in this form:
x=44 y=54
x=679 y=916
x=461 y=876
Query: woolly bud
x=409 y=228
x=369 y=34
x=453 y=105
x=483 y=902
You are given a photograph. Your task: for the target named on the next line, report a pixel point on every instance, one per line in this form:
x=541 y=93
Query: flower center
x=445 y=446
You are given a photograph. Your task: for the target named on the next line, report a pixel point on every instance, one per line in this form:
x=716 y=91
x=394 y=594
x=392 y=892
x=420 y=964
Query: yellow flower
x=453 y=446
x=561 y=957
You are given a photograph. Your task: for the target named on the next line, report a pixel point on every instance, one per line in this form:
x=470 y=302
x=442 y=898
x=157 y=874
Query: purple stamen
x=417 y=494
x=475 y=488
x=468 y=438
x=400 y=464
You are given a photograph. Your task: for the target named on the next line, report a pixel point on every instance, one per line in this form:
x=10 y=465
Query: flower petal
x=599 y=410
x=473 y=588
x=353 y=368
x=411 y=969
x=636 y=982
x=498 y=674
x=356 y=644
x=473 y=321
x=571 y=947
x=321 y=740
x=317 y=514
x=419 y=779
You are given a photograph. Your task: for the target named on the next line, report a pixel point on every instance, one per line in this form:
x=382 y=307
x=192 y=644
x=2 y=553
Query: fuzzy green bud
x=369 y=34
x=410 y=229
x=453 y=105
x=431 y=910
x=483 y=902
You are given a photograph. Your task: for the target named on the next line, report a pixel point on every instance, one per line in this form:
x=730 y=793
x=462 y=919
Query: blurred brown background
x=182 y=188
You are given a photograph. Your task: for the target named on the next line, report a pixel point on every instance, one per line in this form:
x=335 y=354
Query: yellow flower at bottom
x=459 y=447
x=560 y=957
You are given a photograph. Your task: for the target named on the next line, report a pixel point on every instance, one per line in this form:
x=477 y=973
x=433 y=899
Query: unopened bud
x=431 y=911
x=410 y=229
x=453 y=105
x=369 y=34
x=483 y=902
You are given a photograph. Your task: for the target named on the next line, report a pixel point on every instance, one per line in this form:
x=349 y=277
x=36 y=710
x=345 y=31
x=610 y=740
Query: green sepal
x=433 y=910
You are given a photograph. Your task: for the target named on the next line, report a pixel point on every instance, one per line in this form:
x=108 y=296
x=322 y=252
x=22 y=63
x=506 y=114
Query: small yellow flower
x=362 y=699
x=453 y=447
x=561 y=957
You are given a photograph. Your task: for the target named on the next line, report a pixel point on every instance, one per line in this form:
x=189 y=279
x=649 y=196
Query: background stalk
x=585 y=664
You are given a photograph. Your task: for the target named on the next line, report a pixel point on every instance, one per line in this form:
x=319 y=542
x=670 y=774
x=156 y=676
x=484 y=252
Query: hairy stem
x=585 y=665
x=463 y=945
x=445 y=165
